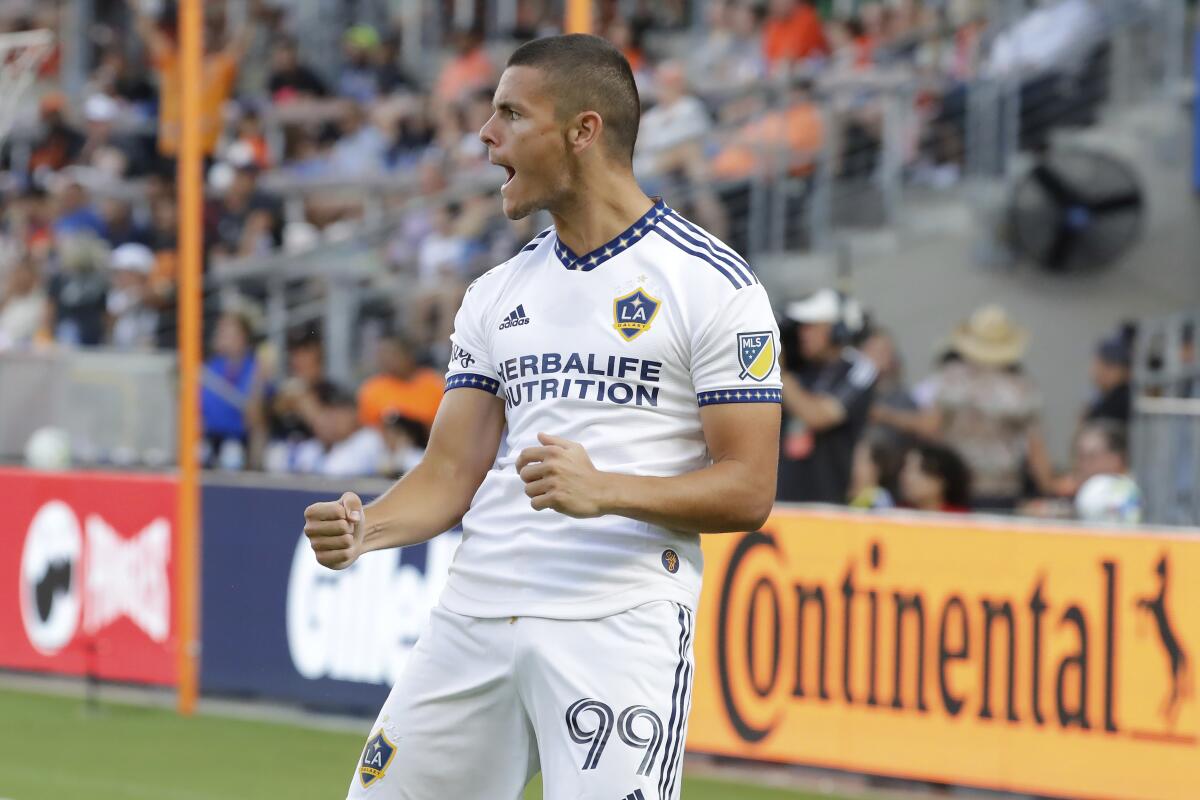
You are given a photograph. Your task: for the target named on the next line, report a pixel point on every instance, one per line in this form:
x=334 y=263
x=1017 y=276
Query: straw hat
x=990 y=338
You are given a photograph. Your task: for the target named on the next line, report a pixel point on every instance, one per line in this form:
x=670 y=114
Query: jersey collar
x=622 y=242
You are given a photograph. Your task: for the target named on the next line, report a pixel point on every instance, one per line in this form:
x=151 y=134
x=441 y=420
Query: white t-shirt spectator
x=1047 y=38
x=440 y=254
x=20 y=319
x=361 y=453
x=664 y=127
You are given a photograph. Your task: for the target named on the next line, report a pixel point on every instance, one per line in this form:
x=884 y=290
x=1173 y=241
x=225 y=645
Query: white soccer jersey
x=617 y=350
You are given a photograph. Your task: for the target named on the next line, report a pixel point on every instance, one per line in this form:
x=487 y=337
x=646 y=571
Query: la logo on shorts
x=375 y=759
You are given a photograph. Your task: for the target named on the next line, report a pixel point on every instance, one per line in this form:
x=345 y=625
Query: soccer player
x=613 y=390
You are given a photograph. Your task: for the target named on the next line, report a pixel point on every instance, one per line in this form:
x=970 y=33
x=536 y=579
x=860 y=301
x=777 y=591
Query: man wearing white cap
x=133 y=324
x=825 y=401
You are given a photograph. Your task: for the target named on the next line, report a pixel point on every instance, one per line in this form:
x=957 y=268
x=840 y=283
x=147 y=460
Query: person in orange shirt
x=792 y=33
x=790 y=138
x=401 y=387
x=469 y=71
x=220 y=70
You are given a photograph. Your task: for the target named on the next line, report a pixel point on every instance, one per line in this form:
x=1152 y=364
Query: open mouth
x=510 y=172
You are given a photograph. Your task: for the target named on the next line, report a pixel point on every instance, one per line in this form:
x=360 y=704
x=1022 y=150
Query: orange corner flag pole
x=191 y=54
x=578 y=17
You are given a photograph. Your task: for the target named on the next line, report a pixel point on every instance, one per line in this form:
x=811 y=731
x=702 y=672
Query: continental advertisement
x=1050 y=661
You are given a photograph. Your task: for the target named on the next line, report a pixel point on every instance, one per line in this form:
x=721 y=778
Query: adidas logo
x=515 y=317
x=637 y=795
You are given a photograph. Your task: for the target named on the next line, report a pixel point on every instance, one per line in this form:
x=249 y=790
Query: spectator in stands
x=22 y=306
x=340 y=447
x=132 y=317
x=290 y=78
x=935 y=478
x=120 y=227
x=292 y=406
x=629 y=38
x=405 y=440
x=826 y=397
x=468 y=71
x=78 y=292
x=793 y=32
x=76 y=215
x=988 y=411
x=1100 y=449
x=103 y=149
x=771 y=139
x=389 y=68
x=359 y=78
x=361 y=147
x=731 y=55
x=245 y=221
x=402 y=386
x=671 y=142
x=441 y=278
x=220 y=68
x=118 y=77
x=1111 y=375
x=875 y=474
x=250 y=140
x=233 y=385
x=59 y=143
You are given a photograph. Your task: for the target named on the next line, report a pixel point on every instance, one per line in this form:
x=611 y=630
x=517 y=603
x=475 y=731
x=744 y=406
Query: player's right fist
x=335 y=530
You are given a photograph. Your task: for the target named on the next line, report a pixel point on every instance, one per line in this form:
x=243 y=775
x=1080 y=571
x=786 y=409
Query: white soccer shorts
x=599 y=706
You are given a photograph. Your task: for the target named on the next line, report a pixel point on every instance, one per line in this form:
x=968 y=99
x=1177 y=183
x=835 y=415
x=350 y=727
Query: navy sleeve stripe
x=473 y=380
x=740 y=267
x=535 y=241
x=734 y=267
x=698 y=254
x=714 y=241
x=739 y=395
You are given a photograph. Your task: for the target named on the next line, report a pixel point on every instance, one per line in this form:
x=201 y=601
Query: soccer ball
x=48 y=448
x=1109 y=498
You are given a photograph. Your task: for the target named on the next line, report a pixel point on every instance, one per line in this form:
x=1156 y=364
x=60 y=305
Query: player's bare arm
x=735 y=493
x=424 y=503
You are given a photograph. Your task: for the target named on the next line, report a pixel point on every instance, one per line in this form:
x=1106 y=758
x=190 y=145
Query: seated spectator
x=1111 y=373
x=76 y=215
x=628 y=38
x=133 y=320
x=390 y=75
x=233 y=385
x=1100 y=451
x=339 y=446
x=250 y=141
x=441 y=278
x=467 y=72
x=826 y=397
x=78 y=292
x=359 y=79
x=361 y=147
x=987 y=410
x=120 y=227
x=792 y=33
x=291 y=407
x=103 y=149
x=935 y=478
x=875 y=475
x=731 y=54
x=292 y=79
x=405 y=439
x=245 y=221
x=59 y=143
x=22 y=306
x=791 y=137
x=120 y=78
x=401 y=386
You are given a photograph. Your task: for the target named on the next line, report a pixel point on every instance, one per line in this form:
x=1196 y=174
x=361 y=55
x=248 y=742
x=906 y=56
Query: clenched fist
x=335 y=530
x=560 y=476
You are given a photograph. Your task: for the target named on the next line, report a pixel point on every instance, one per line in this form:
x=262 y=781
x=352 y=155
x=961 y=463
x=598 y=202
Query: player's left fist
x=560 y=476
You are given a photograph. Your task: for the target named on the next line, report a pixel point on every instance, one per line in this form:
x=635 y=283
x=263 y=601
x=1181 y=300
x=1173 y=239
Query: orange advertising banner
x=1046 y=660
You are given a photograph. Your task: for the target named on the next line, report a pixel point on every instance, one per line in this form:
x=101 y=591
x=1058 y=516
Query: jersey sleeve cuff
x=473 y=380
x=739 y=394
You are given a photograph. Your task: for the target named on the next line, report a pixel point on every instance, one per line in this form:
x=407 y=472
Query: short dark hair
x=588 y=73
x=946 y=464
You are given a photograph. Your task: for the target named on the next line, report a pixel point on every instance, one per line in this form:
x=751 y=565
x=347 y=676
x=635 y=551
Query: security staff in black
x=826 y=398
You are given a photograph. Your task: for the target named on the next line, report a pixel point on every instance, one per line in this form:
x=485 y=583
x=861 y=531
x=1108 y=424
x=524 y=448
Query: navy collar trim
x=619 y=244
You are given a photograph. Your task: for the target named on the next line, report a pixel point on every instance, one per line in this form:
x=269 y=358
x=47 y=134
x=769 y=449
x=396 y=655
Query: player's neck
x=611 y=204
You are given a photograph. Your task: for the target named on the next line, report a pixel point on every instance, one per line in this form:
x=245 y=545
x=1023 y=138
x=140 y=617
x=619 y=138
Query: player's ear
x=584 y=131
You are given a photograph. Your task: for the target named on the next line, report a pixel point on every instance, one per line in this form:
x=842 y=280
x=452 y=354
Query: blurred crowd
x=88 y=235
x=965 y=438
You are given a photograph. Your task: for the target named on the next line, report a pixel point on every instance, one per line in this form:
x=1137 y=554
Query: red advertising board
x=87 y=581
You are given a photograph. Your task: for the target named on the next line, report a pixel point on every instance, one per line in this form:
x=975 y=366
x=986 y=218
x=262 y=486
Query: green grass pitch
x=53 y=747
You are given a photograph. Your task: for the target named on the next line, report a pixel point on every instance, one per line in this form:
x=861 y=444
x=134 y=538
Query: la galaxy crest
x=376 y=758
x=634 y=312
x=756 y=354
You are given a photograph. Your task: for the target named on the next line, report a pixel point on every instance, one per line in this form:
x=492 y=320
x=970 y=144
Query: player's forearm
x=727 y=496
x=426 y=502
